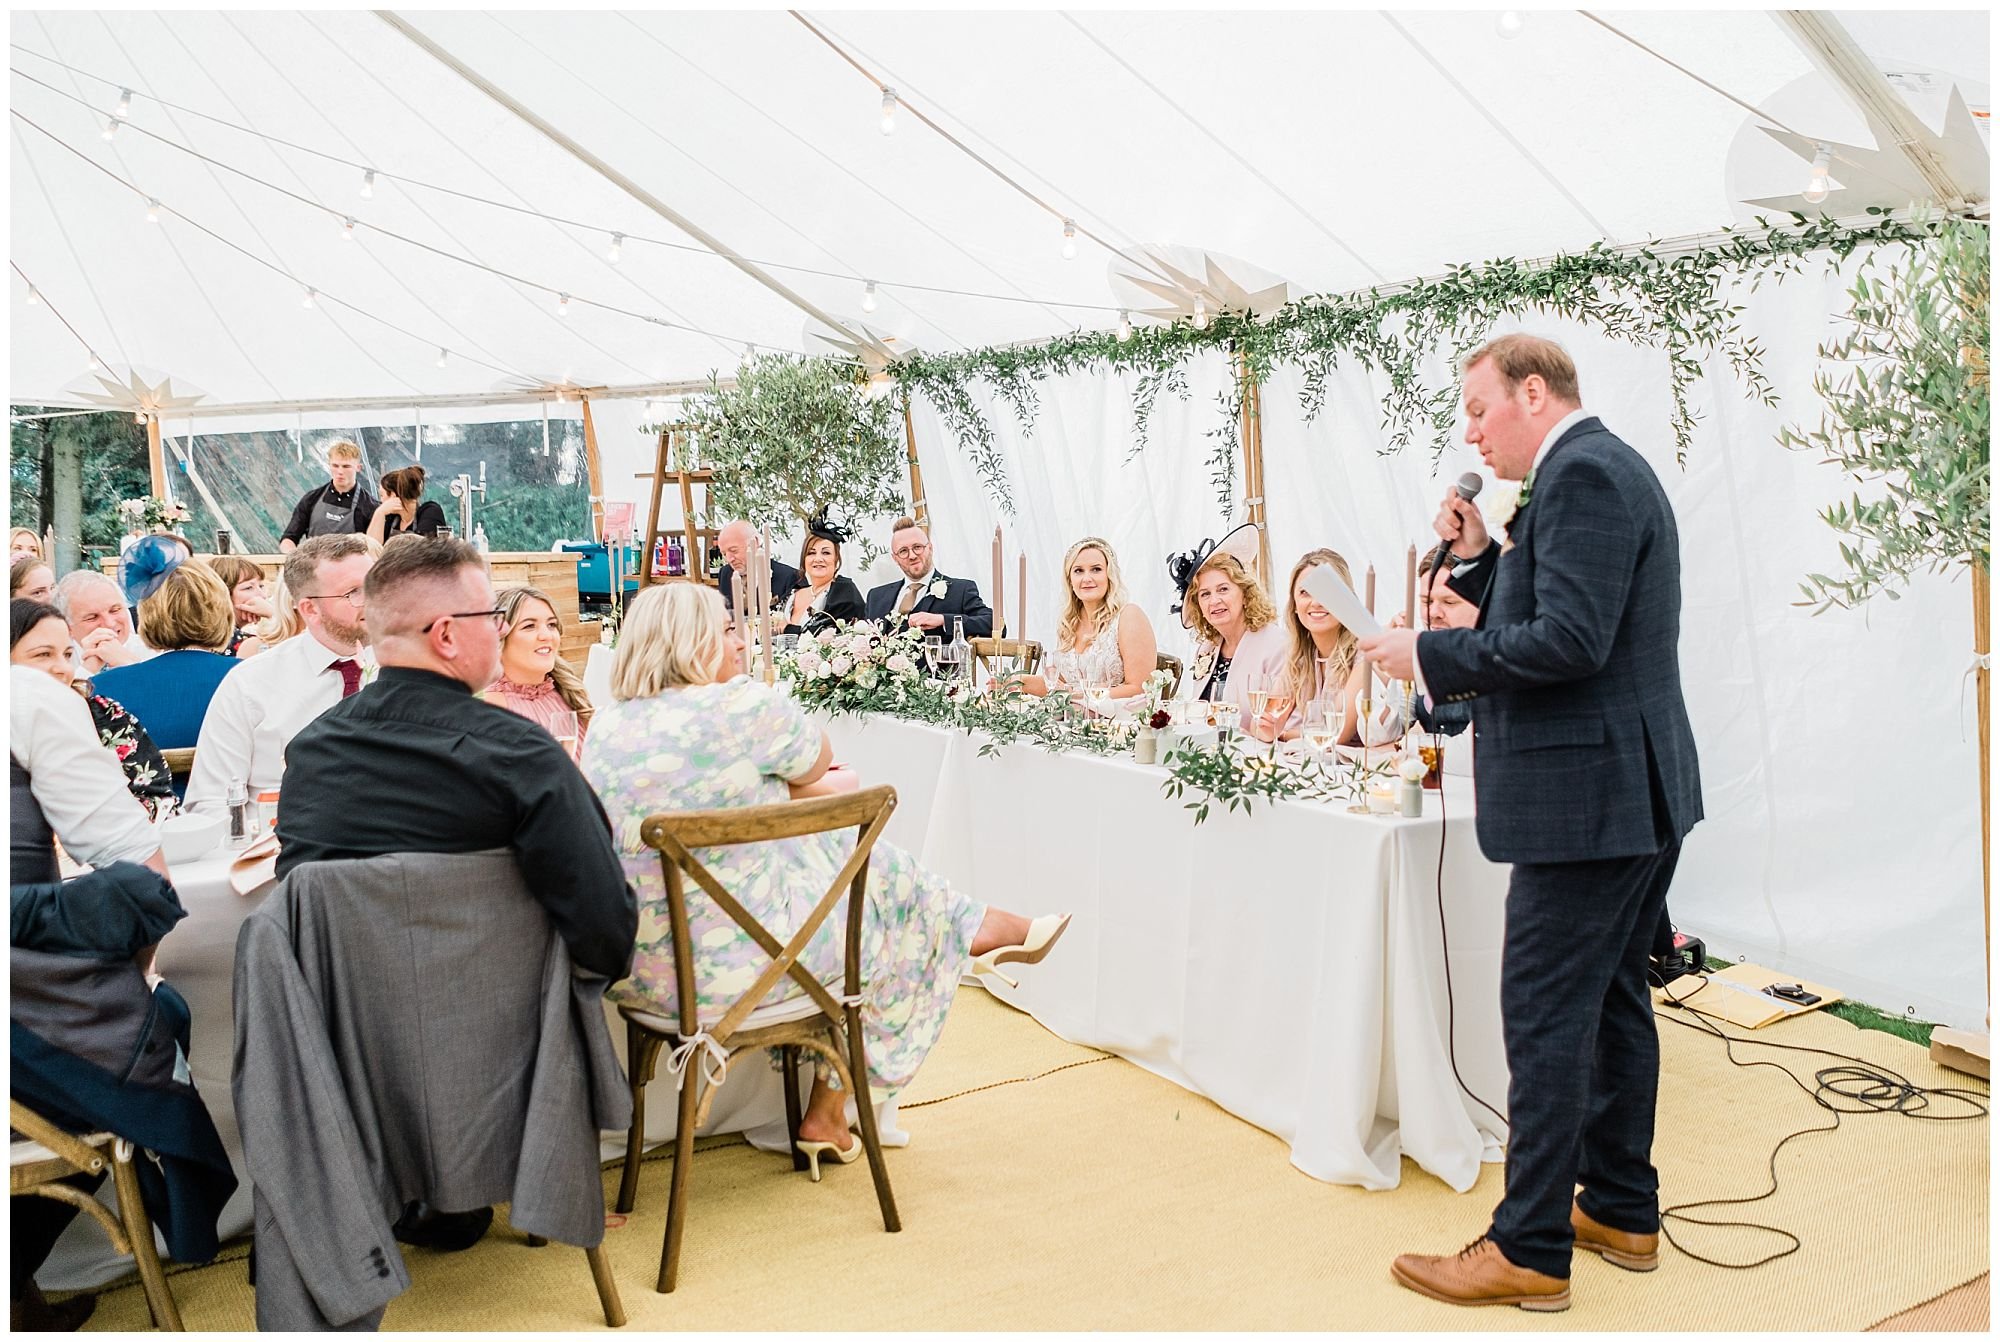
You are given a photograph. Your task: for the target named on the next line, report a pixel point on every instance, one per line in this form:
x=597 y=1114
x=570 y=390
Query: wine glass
x=1096 y=694
x=565 y=728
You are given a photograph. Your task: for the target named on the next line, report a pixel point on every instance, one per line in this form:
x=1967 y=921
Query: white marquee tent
x=1337 y=150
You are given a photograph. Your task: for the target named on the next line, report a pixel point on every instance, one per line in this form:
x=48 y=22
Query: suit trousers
x=1577 y=1018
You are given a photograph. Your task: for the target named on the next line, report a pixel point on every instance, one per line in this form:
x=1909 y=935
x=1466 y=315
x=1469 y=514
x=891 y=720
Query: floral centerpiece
x=855 y=668
x=151 y=514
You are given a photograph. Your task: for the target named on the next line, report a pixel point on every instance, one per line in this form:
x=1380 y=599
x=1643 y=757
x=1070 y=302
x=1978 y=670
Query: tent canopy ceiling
x=1336 y=149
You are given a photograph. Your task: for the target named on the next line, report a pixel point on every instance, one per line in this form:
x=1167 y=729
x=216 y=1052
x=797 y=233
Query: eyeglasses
x=909 y=551
x=497 y=615
x=352 y=597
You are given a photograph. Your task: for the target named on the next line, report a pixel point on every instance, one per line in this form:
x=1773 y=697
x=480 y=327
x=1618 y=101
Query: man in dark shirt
x=339 y=506
x=415 y=763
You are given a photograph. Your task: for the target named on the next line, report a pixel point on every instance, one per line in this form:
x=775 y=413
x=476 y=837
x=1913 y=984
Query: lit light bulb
x=1200 y=314
x=34 y=296
x=152 y=210
x=1509 y=24
x=868 y=297
x=1124 y=326
x=1069 y=239
x=562 y=306
x=124 y=107
x=1817 y=186
x=443 y=354
x=110 y=128
x=96 y=364
x=888 y=111
x=616 y=249
x=368 y=184
x=310 y=295
x=138 y=417
x=347 y=229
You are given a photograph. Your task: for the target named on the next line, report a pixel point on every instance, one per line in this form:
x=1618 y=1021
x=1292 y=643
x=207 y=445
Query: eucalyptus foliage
x=1675 y=303
x=1909 y=415
x=795 y=437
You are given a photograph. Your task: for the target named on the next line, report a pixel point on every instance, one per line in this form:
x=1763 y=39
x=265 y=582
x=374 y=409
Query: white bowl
x=184 y=838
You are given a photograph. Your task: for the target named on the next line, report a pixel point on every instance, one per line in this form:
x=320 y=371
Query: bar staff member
x=339 y=506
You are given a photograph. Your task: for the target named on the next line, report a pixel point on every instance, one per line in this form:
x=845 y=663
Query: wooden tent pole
x=153 y=457
x=1253 y=464
x=1982 y=644
x=919 y=509
x=594 y=465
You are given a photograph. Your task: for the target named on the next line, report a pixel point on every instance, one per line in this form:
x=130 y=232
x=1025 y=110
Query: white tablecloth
x=1287 y=964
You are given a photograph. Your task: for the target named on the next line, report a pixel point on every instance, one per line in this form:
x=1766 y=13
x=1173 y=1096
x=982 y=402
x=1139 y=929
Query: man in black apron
x=338 y=506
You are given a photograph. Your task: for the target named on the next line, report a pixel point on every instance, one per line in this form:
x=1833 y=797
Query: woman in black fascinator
x=823 y=597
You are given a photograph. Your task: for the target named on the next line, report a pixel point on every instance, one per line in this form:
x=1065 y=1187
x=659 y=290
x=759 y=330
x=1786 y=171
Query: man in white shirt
x=262 y=704
x=99 y=622
x=72 y=778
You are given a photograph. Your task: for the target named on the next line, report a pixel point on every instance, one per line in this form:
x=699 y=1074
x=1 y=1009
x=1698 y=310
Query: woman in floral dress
x=41 y=640
x=680 y=737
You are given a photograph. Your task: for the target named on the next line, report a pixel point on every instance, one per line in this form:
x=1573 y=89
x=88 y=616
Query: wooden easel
x=697 y=538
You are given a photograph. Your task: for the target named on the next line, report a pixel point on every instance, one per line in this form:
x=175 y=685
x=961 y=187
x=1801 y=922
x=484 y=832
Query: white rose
x=1412 y=769
x=842 y=665
x=1499 y=501
x=810 y=664
x=938 y=589
x=900 y=664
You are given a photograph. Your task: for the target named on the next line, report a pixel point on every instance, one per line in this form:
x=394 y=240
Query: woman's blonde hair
x=191 y=609
x=672 y=637
x=1257 y=608
x=1301 y=674
x=30 y=534
x=1115 y=595
x=567 y=682
x=284 y=621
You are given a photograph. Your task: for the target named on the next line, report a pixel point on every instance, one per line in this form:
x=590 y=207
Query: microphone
x=1467 y=488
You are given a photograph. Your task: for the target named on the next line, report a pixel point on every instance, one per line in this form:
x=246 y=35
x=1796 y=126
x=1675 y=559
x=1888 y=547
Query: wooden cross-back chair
x=1164 y=662
x=816 y=1021
x=180 y=761
x=36 y=1166
x=1025 y=651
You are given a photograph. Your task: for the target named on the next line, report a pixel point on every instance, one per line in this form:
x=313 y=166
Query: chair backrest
x=676 y=834
x=78 y=1151
x=1025 y=651
x=1165 y=662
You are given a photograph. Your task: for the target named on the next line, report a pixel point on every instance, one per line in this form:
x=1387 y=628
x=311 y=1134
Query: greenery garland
x=1673 y=303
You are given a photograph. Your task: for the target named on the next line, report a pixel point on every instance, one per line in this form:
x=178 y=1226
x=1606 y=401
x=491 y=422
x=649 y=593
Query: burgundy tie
x=350 y=675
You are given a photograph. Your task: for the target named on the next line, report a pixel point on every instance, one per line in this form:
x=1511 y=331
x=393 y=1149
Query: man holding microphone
x=1587 y=782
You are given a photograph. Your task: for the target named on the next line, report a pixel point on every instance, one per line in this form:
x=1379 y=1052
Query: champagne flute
x=933 y=652
x=1096 y=694
x=1321 y=729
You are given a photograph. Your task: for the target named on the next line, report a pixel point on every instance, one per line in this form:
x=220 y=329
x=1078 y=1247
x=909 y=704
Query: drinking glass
x=1319 y=727
x=1096 y=694
x=565 y=729
x=1225 y=715
x=933 y=652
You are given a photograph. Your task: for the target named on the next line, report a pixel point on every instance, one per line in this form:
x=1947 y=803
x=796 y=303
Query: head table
x=1288 y=964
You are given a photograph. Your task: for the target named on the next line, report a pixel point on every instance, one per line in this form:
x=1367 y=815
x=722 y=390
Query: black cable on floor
x=1444 y=936
x=1863 y=1088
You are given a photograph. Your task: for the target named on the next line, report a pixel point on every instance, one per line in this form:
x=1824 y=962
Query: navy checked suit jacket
x=961 y=599
x=1583 y=749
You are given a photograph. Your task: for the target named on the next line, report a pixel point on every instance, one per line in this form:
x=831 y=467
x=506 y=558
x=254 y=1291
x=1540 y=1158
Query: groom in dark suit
x=1587 y=783
x=926 y=599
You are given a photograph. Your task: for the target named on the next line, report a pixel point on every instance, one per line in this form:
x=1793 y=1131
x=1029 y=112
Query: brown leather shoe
x=1479 y=1274
x=1634 y=1253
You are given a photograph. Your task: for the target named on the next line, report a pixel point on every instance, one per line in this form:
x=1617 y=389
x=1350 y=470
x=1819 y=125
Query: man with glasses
x=447 y=772
x=926 y=599
x=263 y=703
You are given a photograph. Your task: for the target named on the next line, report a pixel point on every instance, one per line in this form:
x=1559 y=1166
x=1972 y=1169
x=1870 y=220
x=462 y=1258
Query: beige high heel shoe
x=812 y=1151
x=1043 y=933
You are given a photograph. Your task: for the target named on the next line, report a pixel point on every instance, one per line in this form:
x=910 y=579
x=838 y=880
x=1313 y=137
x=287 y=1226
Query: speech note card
x=1340 y=601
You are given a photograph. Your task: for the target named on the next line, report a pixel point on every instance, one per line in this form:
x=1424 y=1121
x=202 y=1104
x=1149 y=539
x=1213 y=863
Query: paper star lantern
x=1169 y=283
x=872 y=348
x=1864 y=175
x=137 y=392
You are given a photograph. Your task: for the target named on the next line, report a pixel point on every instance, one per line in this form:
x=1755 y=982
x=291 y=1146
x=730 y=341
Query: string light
x=310 y=294
x=562 y=305
x=1509 y=24
x=96 y=364
x=34 y=296
x=124 y=107
x=368 y=184
x=443 y=354
x=110 y=128
x=868 y=297
x=138 y=417
x=347 y=229
x=1817 y=186
x=616 y=249
x=1200 y=314
x=152 y=210
x=1069 y=239
x=1124 y=325
x=888 y=111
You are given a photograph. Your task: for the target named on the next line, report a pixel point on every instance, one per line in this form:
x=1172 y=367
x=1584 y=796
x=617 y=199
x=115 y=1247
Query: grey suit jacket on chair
x=1583 y=745
x=407 y=1027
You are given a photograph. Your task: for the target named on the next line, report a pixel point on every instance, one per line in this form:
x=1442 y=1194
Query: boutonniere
x=1505 y=508
x=1204 y=662
x=937 y=589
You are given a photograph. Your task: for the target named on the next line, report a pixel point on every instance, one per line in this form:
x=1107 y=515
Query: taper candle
x=1370 y=595
x=1410 y=588
x=1021 y=599
x=999 y=571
